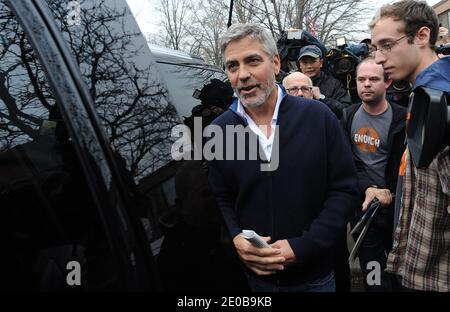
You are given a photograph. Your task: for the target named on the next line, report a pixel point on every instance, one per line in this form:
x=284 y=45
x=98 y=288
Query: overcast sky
x=144 y=11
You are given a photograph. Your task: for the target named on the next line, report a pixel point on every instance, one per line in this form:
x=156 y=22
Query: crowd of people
x=335 y=158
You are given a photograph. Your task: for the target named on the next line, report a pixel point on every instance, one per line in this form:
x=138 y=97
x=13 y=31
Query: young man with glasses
x=404 y=35
x=298 y=84
x=327 y=89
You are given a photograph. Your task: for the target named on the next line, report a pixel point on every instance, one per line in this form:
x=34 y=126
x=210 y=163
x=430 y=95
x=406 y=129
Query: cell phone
x=255 y=239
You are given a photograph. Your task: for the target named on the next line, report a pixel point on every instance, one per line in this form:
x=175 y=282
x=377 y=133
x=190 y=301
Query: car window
x=129 y=95
x=184 y=78
x=48 y=214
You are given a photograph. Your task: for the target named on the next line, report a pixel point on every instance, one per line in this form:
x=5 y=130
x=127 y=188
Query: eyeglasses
x=387 y=46
x=294 y=90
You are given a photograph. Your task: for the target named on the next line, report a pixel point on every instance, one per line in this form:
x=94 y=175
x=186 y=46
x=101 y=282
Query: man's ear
x=423 y=36
x=277 y=63
x=321 y=62
x=388 y=83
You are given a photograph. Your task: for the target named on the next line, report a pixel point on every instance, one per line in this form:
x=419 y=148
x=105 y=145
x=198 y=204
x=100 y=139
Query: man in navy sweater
x=300 y=203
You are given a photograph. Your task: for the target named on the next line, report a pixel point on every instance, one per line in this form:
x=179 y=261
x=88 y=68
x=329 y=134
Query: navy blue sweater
x=307 y=200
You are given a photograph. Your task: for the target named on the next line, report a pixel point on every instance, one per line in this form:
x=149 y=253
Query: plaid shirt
x=421 y=250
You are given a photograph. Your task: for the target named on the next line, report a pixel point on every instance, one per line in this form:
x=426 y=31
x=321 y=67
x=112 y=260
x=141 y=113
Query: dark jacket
x=307 y=200
x=336 y=98
x=396 y=143
x=436 y=76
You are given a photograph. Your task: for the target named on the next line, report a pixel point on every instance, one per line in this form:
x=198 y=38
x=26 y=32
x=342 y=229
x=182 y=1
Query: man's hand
x=316 y=93
x=286 y=251
x=262 y=261
x=384 y=197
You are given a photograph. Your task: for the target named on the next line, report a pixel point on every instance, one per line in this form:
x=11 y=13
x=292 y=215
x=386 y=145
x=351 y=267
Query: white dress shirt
x=266 y=143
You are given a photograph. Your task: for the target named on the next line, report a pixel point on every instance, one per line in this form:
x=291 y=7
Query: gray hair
x=252 y=31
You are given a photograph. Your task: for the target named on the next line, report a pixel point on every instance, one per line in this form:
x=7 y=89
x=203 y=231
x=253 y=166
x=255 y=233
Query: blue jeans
x=323 y=284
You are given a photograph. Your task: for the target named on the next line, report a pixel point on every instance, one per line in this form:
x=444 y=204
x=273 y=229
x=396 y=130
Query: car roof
x=163 y=54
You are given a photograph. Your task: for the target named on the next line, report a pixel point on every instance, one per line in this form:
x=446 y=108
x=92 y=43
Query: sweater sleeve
x=340 y=201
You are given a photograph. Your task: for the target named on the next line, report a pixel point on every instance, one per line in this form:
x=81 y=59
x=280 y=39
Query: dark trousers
x=323 y=284
x=341 y=265
x=376 y=247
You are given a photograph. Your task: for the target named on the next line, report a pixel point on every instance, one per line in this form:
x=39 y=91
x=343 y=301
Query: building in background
x=442 y=9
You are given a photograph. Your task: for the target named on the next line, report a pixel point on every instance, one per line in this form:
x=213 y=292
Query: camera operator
x=442 y=40
x=327 y=89
x=442 y=36
x=370 y=48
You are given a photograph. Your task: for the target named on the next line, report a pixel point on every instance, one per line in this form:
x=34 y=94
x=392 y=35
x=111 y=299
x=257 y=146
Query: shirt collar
x=241 y=111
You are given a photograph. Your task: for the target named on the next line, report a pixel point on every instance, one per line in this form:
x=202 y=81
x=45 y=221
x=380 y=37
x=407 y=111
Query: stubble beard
x=260 y=100
x=374 y=100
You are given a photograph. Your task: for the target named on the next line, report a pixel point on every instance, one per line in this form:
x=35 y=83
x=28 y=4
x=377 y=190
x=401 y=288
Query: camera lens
x=400 y=85
x=344 y=65
x=293 y=54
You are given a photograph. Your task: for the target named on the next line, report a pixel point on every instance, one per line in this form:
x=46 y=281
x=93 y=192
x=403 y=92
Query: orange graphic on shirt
x=367 y=140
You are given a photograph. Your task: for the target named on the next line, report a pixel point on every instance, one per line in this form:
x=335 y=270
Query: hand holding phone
x=255 y=239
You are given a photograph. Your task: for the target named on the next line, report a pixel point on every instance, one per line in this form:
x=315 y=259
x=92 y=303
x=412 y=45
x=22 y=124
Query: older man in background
x=298 y=84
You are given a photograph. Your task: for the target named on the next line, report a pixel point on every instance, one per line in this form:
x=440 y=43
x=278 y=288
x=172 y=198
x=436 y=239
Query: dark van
x=90 y=196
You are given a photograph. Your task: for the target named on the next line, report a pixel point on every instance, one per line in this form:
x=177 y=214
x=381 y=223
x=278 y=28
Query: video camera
x=428 y=129
x=343 y=61
x=398 y=92
x=443 y=49
x=215 y=98
x=289 y=46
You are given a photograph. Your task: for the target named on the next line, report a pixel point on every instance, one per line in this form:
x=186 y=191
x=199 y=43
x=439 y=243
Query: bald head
x=298 y=84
